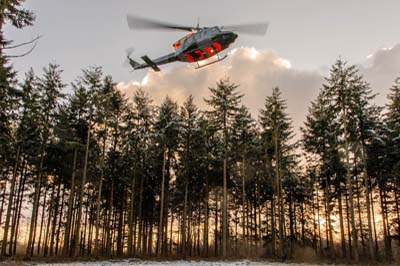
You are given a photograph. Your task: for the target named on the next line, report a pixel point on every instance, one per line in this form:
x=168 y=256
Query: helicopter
x=199 y=44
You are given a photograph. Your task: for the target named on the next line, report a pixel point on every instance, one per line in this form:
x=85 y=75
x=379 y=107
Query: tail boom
x=153 y=63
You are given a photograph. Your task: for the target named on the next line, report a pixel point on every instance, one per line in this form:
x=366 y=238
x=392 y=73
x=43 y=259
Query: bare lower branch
x=24 y=54
x=24 y=43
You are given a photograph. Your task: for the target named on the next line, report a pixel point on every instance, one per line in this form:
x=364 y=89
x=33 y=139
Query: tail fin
x=133 y=63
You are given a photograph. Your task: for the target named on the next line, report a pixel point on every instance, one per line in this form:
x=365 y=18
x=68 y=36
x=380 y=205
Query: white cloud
x=257 y=72
x=381 y=70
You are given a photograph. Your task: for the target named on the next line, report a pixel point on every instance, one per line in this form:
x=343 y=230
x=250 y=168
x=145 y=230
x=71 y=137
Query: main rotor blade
x=259 y=28
x=139 y=23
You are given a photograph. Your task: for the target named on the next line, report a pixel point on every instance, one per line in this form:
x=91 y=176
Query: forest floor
x=137 y=262
x=140 y=262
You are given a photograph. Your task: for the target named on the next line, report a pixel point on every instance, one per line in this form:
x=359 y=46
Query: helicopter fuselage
x=198 y=45
x=203 y=44
x=195 y=46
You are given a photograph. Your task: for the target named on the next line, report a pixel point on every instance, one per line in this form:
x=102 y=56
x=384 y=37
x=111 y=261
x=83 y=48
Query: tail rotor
x=128 y=53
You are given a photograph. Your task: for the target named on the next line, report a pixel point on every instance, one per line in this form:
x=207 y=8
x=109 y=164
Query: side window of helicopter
x=193 y=46
x=202 y=34
x=213 y=30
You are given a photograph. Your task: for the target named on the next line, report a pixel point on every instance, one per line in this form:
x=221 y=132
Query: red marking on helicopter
x=188 y=57
x=217 y=46
x=200 y=53
x=208 y=50
x=177 y=44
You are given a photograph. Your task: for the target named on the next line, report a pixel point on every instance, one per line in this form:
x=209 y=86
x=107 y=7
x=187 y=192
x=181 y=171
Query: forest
x=91 y=173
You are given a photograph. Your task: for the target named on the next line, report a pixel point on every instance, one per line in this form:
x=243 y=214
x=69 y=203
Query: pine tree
x=242 y=147
x=389 y=169
x=144 y=113
x=319 y=138
x=224 y=102
x=10 y=12
x=102 y=118
x=50 y=86
x=392 y=120
x=277 y=134
x=350 y=98
x=26 y=140
x=167 y=129
x=90 y=82
x=189 y=161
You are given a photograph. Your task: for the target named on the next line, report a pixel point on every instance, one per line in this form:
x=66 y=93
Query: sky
x=304 y=39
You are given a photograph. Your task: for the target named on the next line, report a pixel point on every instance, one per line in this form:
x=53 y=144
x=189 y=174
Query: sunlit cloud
x=257 y=72
x=283 y=62
x=381 y=70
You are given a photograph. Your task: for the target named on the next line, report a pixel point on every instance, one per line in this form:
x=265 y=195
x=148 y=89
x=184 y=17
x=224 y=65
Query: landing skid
x=215 y=61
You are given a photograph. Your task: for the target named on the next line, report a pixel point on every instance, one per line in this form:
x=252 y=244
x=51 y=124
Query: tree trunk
x=166 y=206
x=225 y=212
x=78 y=220
x=170 y=234
x=98 y=201
x=246 y=248
x=71 y=203
x=161 y=220
x=140 y=221
x=225 y=224
x=348 y=226
x=375 y=234
x=315 y=227
x=359 y=216
x=205 y=238
x=273 y=228
x=216 y=224
x=10 y=204
x=328 y=220
x=319 y=224
x=282 y=252
x=18 y=215
x=131 y=213
x=350 y=189
x=120 y=225
x=42 y=221
x=367 y=202
x=38 y=184
x=71 y=200
x=91 y=225
x=386 y=237
x=150 y=242
x=46 y=238
x=259 y=235
x=53 y=228
x=342 y=237
x=60 y=222
x=184 y=252
x=17 y=209
x=109 y=221
x=3 y=196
